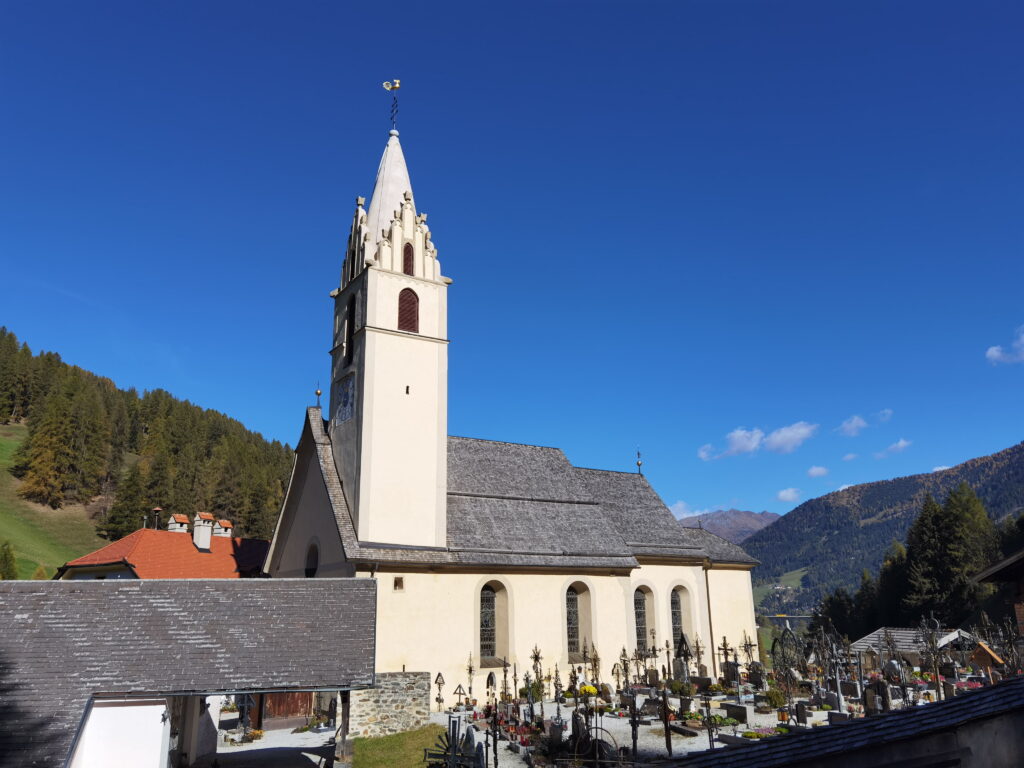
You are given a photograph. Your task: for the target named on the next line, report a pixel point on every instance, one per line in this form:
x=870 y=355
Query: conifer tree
x=47 y=458
x=39 y=574
x=8 y=565
x=129 y=509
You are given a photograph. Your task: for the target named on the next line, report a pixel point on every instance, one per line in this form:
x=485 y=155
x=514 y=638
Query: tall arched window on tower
x=642 y=599
x=408 y=311
x=493 y=624
x=407 y=260
x=572 y=619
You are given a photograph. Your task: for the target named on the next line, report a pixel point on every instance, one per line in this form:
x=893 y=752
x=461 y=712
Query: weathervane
x=318 y=393
x=393 y=86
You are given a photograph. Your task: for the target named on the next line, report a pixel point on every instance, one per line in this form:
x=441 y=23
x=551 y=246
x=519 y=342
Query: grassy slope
x=39 y=535
x=788 y=579
x=403 y=750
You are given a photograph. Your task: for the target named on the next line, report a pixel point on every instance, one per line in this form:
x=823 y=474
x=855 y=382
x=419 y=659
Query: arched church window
x=408 y=311
x=407 y=260
x=640 y=613
x=677 y=620
x=493 y=624
x=572 y=619
x=312 y=560
x=488 y=622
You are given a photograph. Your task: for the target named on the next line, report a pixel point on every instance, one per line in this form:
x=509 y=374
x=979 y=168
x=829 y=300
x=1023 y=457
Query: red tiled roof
x=180 y=519
x=225 y=524
x=205 y=516
x=156 y=554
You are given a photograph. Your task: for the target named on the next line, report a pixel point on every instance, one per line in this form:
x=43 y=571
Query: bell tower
x=389 y=367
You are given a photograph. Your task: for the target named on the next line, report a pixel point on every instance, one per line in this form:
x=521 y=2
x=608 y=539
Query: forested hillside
x=735 y=525
x=121 y=454
x=835 y=537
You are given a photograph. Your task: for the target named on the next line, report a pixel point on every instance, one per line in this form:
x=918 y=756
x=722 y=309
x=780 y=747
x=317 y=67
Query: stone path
x=279 y=749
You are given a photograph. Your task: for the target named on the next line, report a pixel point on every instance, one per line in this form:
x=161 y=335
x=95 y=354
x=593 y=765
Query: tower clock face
x=346 y=399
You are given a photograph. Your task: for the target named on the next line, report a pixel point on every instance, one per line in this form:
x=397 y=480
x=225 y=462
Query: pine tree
x=39 y=574
x=129 y=507
x=47 y=457
x=8 y=565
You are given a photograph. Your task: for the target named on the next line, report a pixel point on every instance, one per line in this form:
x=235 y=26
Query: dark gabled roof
x=517 y=505
x=66 y=642
x=1009 y=569
x=817 y=745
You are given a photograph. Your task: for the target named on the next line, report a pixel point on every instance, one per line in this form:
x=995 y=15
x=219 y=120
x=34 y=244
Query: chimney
x=178 y=523
x=223 y=528
x=202 y=530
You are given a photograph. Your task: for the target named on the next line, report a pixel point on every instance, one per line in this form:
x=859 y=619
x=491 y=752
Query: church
x=482 y=550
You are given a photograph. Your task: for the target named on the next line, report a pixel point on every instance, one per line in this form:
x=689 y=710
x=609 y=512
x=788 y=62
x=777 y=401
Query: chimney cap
x=204 y=516
x=224 y=523
x=180 y=518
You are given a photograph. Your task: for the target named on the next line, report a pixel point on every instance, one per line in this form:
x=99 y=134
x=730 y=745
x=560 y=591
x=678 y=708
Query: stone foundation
x=400 y=702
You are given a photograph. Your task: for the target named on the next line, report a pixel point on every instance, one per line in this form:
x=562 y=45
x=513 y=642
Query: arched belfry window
x=407 y=260
x=408 y=311
x=493 y=624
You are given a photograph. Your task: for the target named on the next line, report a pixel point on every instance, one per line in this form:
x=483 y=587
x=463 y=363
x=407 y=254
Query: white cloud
x=844 y=487
x=788 y=439
x=898 y=447
x=885 y=414
x=706 y=452
x=1015 y=354
x=681 y=509
x=852 y=426
x=788 y=494
x=939 y=468
x=742 y=440
x=850 y=457
x=817 y=471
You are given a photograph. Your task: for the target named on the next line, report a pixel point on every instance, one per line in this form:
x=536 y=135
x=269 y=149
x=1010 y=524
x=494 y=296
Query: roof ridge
x=508 y=442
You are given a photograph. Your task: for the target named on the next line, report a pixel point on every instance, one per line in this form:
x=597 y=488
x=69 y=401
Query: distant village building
x=482 y=549
x=209 y=553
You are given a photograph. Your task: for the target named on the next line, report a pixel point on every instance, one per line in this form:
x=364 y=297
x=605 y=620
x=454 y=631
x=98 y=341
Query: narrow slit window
x=572 y=619
x=640 y=611
x=488 y=622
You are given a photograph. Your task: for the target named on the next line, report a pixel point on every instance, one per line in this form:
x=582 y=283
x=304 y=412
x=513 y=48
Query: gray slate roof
x=904 y=637
x=814 y=747
x=65 y=642
x=515 y=505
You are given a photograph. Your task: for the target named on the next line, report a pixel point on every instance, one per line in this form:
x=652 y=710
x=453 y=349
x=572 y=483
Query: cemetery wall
x=400 y=702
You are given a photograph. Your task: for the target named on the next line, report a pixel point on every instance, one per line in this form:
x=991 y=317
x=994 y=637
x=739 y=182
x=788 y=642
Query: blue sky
x=716 y=231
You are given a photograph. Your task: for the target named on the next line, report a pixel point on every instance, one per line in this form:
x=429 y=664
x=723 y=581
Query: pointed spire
x=389 y=190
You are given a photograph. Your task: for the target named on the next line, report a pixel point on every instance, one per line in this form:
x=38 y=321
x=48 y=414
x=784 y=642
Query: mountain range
x=736 y=525
x=827 y=542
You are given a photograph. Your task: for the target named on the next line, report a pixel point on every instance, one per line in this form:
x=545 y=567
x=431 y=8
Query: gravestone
x=801 y=713
x=832 y=700
x=948 y=690
x=627 y=700
x=652 y=677
x=702 y=670
x=702 y=682
x=737 y=711
x=837 y=717
x=605 y=691
x=678 y=669
x=731 y=672
x=756 y=675
x=871 y=702
x=850 y=688
x=555 y=734
x=651 y=707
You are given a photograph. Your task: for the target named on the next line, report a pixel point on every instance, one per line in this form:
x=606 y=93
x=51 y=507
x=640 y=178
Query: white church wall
x=433 y=623
x=307 y=519
x=732 y=605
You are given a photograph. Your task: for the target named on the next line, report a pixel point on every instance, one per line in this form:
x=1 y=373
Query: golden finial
x=318 y=393
x=393 y=86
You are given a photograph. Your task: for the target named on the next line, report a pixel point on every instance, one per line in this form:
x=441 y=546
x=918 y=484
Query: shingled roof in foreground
x=64 y=643
x=815 y=747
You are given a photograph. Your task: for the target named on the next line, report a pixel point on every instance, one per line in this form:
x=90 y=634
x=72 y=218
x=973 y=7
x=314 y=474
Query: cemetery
x=660 y=706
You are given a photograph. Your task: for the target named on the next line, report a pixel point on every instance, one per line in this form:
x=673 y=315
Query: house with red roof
x=210 y=552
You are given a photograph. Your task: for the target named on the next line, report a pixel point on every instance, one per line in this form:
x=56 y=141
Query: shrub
x=775 y=698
